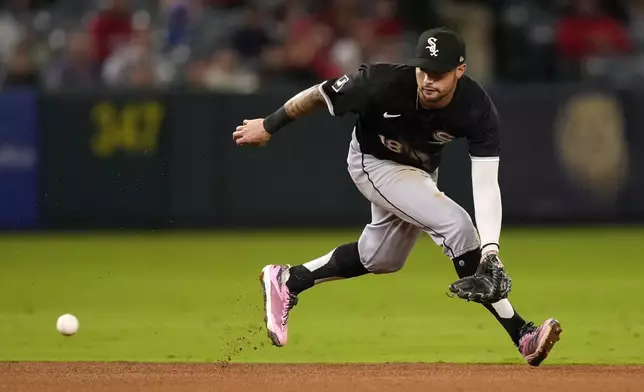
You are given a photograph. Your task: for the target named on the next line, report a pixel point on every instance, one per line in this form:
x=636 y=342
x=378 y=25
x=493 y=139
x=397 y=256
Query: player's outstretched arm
x=304 y=102
x=259 y=131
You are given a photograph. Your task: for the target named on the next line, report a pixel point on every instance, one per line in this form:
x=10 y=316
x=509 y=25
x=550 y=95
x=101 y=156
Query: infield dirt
x=130 y=377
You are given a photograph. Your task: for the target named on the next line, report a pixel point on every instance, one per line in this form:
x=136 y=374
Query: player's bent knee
x=466 y=226
x=464 y=236
x=386 y=266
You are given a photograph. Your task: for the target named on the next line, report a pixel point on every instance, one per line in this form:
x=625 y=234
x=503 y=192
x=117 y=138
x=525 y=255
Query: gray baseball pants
x=405 y=202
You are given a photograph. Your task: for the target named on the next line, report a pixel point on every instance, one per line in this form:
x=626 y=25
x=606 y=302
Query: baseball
x=67 y=324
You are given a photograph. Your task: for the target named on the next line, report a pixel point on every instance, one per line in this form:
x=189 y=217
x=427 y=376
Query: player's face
x=434 y=87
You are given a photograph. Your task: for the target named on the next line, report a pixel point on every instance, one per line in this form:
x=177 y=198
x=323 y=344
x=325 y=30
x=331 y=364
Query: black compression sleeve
x=277 y=121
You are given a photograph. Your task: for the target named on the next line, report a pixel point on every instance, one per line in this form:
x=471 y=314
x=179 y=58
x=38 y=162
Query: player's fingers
x=238 y=134
x=240 y=127
x=243 y=139
x=245 y=122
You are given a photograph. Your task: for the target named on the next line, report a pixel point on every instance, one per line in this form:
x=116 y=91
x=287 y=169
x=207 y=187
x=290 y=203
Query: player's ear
x=460 y=70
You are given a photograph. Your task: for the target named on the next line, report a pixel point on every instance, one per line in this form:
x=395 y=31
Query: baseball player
x=406 y=114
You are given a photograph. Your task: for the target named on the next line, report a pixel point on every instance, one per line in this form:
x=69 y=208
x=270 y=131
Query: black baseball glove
x=489 y=284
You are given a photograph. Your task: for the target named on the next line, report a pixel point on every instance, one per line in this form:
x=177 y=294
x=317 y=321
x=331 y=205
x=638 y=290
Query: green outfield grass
x=196 y=297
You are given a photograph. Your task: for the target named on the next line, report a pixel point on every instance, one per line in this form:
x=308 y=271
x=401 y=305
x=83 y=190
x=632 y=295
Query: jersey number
x=393 y=145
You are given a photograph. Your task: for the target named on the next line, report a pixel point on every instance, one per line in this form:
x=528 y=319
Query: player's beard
x=437 y=95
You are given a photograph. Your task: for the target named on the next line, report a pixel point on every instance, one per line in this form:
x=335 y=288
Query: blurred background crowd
x=248 y=45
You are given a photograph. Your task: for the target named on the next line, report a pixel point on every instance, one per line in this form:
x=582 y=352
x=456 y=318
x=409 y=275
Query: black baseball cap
x=438 y=50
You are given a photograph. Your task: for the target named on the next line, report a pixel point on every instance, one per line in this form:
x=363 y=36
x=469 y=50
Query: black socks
x=344 y=262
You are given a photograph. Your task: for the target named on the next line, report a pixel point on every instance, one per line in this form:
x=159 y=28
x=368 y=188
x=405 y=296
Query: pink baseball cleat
x=536 y=343
x=278 y=302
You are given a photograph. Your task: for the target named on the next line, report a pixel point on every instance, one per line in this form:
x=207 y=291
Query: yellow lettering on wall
x=134 y=128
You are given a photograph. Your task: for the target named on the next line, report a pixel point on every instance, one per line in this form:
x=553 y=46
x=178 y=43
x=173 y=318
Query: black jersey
x=392 y=124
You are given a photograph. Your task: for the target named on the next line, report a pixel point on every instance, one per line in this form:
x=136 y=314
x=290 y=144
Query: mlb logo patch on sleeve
x=339 y=83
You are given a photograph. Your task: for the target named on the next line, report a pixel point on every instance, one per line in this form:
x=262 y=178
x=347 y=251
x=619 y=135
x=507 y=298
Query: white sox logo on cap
x=432 y=46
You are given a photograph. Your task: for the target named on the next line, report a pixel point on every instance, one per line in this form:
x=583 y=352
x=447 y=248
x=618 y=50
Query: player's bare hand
x=251 y=132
